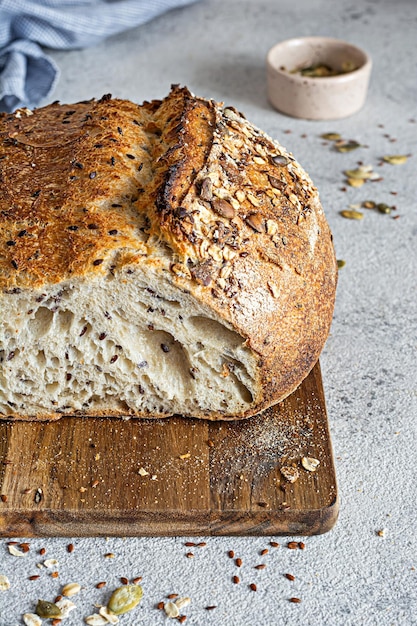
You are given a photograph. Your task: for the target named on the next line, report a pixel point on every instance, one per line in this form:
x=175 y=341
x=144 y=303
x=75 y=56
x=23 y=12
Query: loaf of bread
x=168 y=258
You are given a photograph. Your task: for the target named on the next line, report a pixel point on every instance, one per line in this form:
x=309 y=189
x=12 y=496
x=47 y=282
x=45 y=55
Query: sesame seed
x=15 y=265
x=102 y=336
x=92 y=175
x=113 y=232
x=164 y=347
x=119 y=130
x=114 y=358
x=79 y=165
x=22 y=233
x=112 y=161
x=73 y=228
x=98 y=261
x=130 y=156
x=10 y=243
x=93 y=226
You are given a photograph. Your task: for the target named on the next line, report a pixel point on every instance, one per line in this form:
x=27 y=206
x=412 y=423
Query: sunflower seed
x=352 y=215
x=330 y=136
x=309 y=463
x=395 y=159
x=71 y=590
x=223 y=208
x=125 y=599
x=4 y=583
x=255 y=221
x=280 y=159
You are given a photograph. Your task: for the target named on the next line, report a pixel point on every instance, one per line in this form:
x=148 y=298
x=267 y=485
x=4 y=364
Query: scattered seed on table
x=274 y=544
x=292 y=545
x=101 y=584
x=182 y=619
x=289 y=576
x=189 y=544
x=301 y=545
x=238 y=562
x=236 y=580
x=253 y=587
x=137 y=580
x=124 y=580
x=189 y=555
x=264 y=551
x=172 y=596
x=260 y=566
x=34 y=577
x=295 y=600
x=231 y=554
x=160 y=606
x=210 y=608
x=202 y=544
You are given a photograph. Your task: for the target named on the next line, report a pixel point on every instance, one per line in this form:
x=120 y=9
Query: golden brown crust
x=242 y=220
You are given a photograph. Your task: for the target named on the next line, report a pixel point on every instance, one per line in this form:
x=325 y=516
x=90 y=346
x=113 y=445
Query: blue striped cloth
x=27 y=74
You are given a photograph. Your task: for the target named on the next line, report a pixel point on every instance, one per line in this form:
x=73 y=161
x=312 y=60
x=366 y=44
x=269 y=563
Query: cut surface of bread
x=155 y=259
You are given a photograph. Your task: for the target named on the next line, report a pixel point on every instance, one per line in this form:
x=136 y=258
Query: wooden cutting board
x=86 y=476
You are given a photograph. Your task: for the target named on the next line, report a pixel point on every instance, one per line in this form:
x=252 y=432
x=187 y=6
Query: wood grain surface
x=85 y=476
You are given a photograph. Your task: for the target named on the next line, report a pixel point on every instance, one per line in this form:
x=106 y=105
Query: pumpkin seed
x=47 y=609
x=355 y=182
x=351 y=214
x=383 y=208
x=341 y=263
x=125 y=599
x=4 y=583
x=395 y=159
x=359 y=173
x=347 y=146
x=330 y=136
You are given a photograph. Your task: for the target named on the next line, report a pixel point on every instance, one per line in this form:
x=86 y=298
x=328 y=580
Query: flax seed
x=3 y=497
x=160 y=606
x=189 y=555
x=295 y=600
x=172 y=596
x=231 y=554
x=236 y=580
x=182 y=619
x=42 y=551
x=35 y=577
x=137 y=580
x=189 y=544
x=274 y=544
x=260 y=566
x=101 y=584
x=289 y=576
x=292 y=545
x=264 y=551
x=24 y=546
x=124 y=580
x=54 y=575
x=202 y=544
x=210 y=608
x=57 y=599
x=238 y=562
x=253 y=587
x=55 y=622
x=301 y=545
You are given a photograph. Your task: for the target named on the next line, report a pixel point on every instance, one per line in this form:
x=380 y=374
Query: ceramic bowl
x=317 y=98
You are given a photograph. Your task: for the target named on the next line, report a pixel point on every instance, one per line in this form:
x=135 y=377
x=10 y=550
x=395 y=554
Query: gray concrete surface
x=350 y=576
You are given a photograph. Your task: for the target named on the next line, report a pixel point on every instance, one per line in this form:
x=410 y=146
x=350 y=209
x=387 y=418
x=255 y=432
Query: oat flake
x=31 y=619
